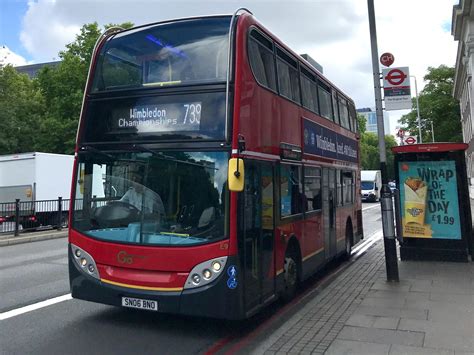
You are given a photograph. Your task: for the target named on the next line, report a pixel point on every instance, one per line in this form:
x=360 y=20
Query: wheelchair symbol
x=232 y=283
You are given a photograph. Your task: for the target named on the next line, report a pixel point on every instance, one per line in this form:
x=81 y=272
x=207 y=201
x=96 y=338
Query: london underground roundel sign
x=396 y=77
x=387 y=59
x=410 y=140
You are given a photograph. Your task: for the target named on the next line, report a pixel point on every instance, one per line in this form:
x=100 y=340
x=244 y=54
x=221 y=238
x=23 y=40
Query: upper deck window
x=335 y=110
x=309 y=90
x=353 y=117
x=262 y=60
x=343 y=113
x=288 y=77
x=175 y=53
x=325 y=104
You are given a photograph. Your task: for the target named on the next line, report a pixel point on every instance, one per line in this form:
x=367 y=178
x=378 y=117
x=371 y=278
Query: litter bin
x=434 y=202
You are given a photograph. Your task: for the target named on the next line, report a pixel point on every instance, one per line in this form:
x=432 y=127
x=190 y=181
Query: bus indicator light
x=196 y=279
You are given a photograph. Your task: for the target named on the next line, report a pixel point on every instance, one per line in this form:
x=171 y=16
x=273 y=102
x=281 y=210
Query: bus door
x=329 y=212
x=257 y=233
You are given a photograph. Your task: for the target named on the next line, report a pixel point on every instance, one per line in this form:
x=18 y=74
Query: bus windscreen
x=177 y=53
x=169 y=198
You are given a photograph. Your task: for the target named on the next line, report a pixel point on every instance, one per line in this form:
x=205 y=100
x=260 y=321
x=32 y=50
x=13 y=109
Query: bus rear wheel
x=349 y=234
x=291 y=276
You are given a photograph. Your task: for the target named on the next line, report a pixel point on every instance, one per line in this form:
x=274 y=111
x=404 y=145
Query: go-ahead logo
x=124 y=258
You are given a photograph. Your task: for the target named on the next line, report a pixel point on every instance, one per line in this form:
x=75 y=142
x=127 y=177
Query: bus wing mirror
x=236 y=175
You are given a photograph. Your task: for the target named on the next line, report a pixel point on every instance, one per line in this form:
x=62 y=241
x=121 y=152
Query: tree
x=437 y=105
x=361 y=123
x=369 y=153
x=63 y=90
x=22 y=107
x=369 y=149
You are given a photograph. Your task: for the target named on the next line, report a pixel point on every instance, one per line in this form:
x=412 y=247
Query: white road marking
x=35 y=306
x=373 y=206
x=360 y=249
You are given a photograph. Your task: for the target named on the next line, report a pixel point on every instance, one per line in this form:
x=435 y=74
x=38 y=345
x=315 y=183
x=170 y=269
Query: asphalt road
x=372 y=218
x=35 y=272
x=32 y=272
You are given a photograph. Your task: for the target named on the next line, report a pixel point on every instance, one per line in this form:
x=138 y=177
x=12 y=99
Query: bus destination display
x=161 y=117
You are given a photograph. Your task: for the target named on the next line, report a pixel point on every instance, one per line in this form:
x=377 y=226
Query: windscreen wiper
x=170 y=158
x=90 y=149
x=156 y=154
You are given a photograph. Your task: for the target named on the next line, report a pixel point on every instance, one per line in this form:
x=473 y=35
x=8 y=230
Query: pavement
x=28 y=237
x=429 y=311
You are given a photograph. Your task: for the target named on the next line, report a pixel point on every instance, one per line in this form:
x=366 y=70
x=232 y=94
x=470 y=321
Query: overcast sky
x=334 y=32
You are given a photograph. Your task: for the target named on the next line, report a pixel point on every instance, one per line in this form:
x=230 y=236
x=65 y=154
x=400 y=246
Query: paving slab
x=339 y=347
x=382 y=336
x=430 y=311
x=412 y=350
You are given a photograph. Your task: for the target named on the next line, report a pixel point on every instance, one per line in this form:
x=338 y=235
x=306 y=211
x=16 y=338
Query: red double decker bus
x=215 y=170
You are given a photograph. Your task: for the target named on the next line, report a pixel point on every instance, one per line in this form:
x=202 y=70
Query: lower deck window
x=292 y=199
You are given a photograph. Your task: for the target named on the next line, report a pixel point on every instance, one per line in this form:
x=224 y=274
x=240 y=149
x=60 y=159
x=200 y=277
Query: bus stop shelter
x=434 y=211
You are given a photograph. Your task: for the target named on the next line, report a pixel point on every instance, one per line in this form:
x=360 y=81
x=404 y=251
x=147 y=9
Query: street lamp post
x=386 y=202
x=417 y=110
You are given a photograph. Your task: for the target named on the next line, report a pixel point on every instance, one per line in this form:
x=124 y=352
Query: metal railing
x=21 y=216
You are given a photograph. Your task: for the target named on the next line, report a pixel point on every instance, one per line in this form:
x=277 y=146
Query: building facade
x=463 y=31
x=32 y=69
x=371 y=117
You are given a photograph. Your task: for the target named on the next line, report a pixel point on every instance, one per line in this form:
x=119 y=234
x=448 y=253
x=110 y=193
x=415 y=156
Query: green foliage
x=437 y=105
x=369 y=151
x=42 y=114
x=62 y=88
x=362 y=123
x=22 y=109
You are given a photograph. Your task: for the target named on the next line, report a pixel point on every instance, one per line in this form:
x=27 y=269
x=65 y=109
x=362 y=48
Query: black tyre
x=291 y=275
x=349 y=241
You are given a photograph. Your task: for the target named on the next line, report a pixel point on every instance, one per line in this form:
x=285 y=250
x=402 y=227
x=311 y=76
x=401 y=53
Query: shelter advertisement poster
x=429 y=199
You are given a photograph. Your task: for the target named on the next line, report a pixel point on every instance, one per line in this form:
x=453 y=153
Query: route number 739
x=193 y=113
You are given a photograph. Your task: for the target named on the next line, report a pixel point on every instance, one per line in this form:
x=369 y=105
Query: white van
x=370 y=185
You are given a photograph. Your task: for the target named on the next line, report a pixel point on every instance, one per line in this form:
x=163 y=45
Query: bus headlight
x=209 y=270
x=207 y=274
x=216 y=266
x=84 y=261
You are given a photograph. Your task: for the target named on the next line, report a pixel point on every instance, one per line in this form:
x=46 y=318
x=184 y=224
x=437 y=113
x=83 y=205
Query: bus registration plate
x=130 y=302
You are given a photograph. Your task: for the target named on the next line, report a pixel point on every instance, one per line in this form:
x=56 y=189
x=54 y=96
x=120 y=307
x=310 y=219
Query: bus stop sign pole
x=391 y=262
